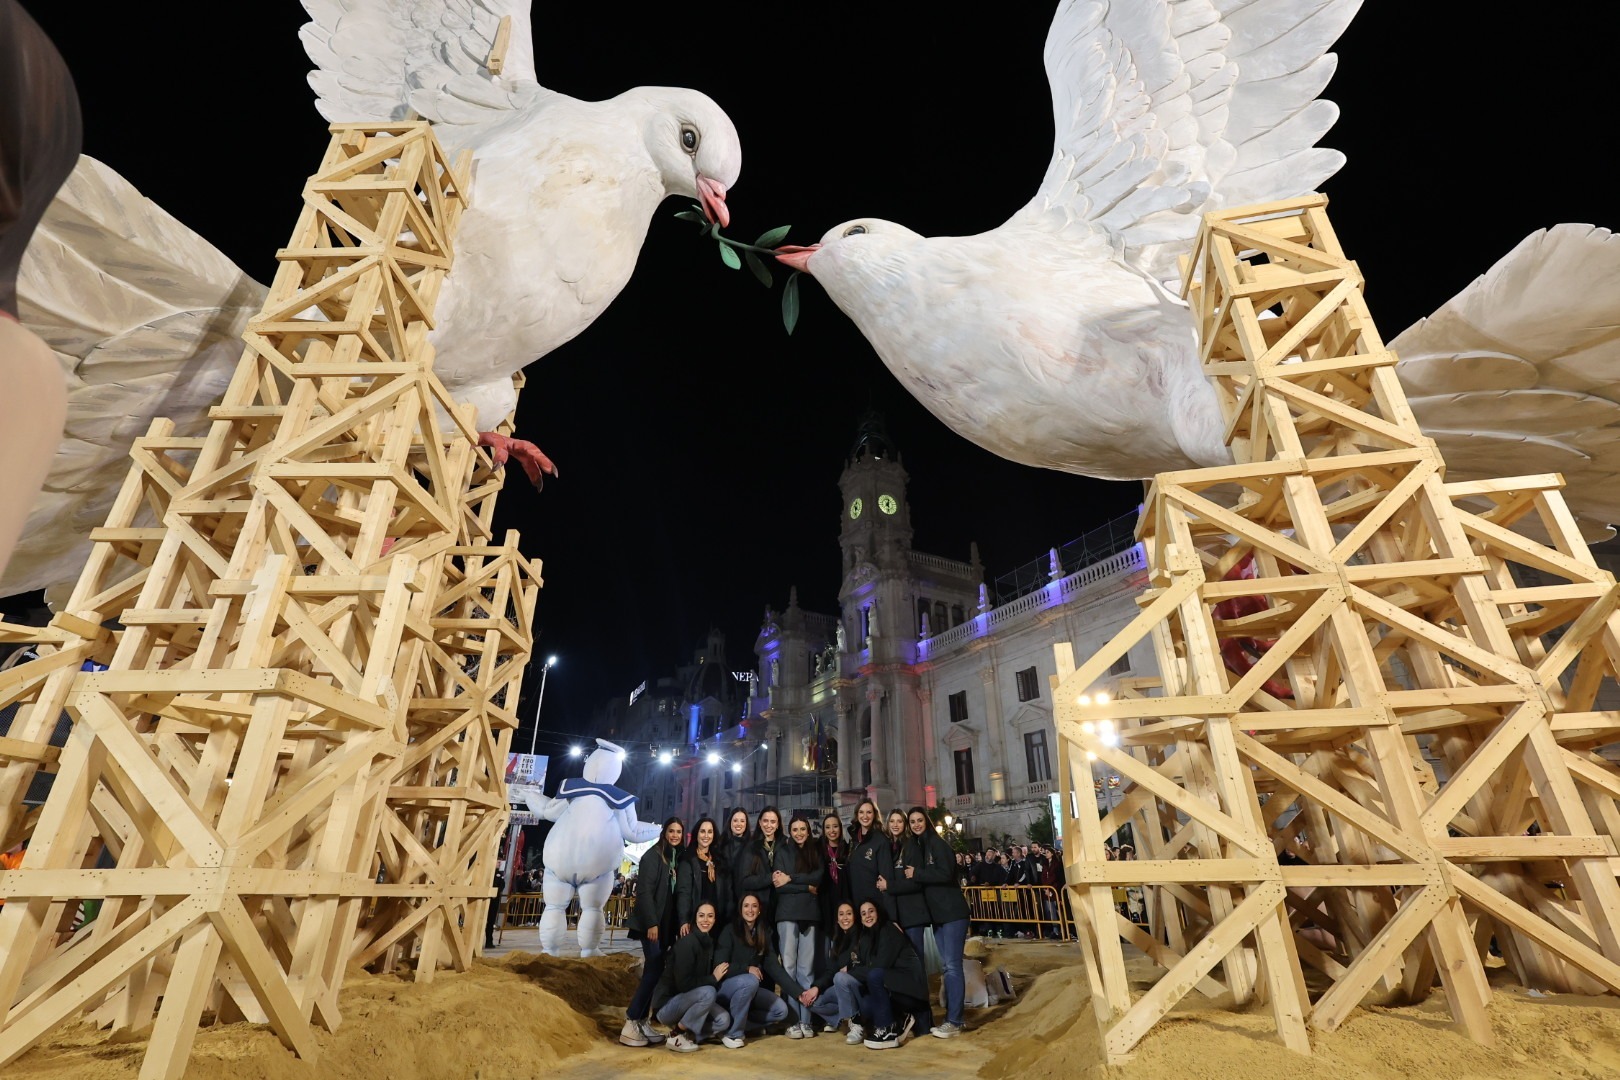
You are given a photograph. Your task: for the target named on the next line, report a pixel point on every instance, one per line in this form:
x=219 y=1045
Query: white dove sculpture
x=1054 y=341
x=145 y=315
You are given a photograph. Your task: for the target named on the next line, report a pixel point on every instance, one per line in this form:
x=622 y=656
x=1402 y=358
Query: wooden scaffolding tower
x=1322 y=611
x=291 y=753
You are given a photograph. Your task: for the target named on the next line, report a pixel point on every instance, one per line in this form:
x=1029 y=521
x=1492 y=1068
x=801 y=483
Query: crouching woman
x=837 y=995
x=887 y=965
x=745 y=947
x=692 y=979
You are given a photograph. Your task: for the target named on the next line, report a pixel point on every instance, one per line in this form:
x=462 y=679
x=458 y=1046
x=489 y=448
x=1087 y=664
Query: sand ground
x=519 y=1016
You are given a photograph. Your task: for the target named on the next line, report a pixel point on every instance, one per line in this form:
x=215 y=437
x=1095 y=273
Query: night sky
x=699 y=446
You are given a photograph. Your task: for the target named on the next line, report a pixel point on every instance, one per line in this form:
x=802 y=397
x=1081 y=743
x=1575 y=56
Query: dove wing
x=1168 y=109
x=380 y=59
x=146 y=318
x=1520 y=372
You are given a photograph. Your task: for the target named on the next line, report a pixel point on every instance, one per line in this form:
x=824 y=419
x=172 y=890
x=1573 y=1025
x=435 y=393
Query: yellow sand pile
x=1046 y=1036
x=532 y=1016
x=494 y=1022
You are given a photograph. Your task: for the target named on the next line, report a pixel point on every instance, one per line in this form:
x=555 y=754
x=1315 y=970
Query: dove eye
x=854 y=230
x=689 y=138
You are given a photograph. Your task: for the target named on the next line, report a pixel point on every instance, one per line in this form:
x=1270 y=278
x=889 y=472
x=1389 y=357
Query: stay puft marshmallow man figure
x=594 y=820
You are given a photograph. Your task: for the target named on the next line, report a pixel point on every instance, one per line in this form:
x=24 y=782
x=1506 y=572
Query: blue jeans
x=950 y=938
x=799 y=959
x=691 y=1009
x=842 y=1002
x=919 y=941
x=750 y=1005
x=652 y=966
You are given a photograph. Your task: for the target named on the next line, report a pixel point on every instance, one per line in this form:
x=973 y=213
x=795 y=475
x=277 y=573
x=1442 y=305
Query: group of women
x=745 y=930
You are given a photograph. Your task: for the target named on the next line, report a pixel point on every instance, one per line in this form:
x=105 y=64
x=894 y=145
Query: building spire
x=872 y=440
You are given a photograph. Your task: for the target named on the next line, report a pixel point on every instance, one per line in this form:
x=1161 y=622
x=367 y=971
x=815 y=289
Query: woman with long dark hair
x=663 y=885
x=837 y=995
x=865 y=836
x=933 y=869
x=797 y=877
x=884 y=962
x=735 y=853
x=761 y=862
x=690 y=978
x=905 y=888
x=708 y=874
x=746 y=946
x=891 y=860
x=835 y=886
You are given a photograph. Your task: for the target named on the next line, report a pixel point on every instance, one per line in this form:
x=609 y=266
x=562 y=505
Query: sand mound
x=528 y=1016
x=516 y=1019
x=1044 y=1037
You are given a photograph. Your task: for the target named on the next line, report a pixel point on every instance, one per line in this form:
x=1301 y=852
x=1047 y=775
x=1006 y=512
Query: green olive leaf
x=774 y=237
x=729 y=257
x=759 y=268
x=690 y=215
x=790 y=302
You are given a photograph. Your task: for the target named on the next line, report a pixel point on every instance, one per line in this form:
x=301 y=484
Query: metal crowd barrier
x=525 y=909
x=1042 y=910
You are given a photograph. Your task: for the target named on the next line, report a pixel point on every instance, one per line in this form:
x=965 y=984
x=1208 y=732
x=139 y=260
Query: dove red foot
x=1241 y=654
x=534 y=461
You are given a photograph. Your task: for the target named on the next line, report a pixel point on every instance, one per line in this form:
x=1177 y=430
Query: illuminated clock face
x=854 y=509
x=887 y=504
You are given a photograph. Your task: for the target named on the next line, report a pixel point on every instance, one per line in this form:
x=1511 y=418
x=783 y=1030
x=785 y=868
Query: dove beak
x=712 y=194
x=796 y=256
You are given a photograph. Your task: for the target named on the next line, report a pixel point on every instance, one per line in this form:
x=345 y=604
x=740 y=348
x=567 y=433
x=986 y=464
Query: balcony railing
x=1062 y=591
x=941 y=565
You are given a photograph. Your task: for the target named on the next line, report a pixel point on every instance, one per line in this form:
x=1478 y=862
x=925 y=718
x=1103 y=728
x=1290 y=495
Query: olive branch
x=735 y=253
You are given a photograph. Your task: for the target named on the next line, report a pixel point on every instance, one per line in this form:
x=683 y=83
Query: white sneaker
x=681 y=1043
x=650 y=1033
x=854 y=1035
x=631 y=1035
x=808 y=1029
x=947 y=1030
x=733 y=1042
x=794 y=1031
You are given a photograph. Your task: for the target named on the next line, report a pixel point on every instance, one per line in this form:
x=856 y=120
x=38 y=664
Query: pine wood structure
x=295 y=757
x=1295 y=846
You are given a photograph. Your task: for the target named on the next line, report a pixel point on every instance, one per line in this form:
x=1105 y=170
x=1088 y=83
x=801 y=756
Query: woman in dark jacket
x=905 y=891
x=934 y=868
x=865 y=841
x=736 y=854
x=688 y=985
x=884 y=962
x=760 y=863
x=708 y=875
x=655 y=922
x=835 y=887
x=837 y=995
x=797 y=877
x=746 y=946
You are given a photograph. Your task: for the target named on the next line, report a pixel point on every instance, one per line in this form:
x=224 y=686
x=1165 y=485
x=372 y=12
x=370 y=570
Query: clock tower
x=877 y=612
x=876 y=526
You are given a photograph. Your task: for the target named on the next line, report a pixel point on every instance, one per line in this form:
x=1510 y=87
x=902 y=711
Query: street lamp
x=551 y=662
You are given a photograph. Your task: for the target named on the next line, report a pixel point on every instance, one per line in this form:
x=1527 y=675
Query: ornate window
x=1035 y=759
x=964 y=770
x=958 y=702
x=1029 y=685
